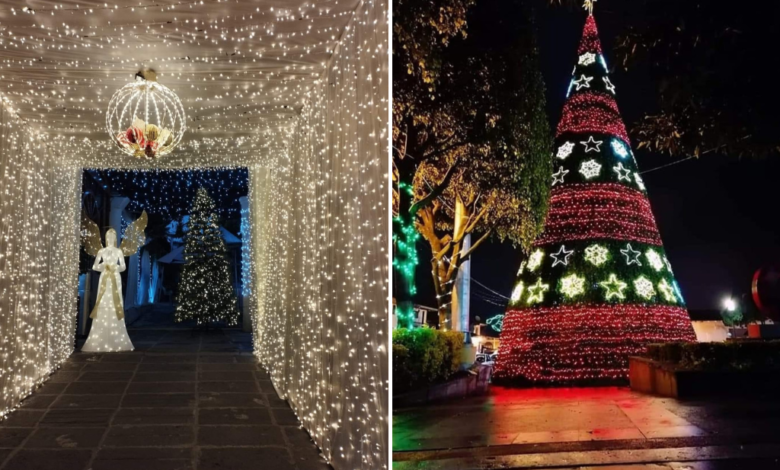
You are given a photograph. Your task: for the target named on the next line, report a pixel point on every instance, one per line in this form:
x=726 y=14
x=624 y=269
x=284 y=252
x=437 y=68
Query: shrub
x=665 y=352
x=731 y=355
x=424 y=356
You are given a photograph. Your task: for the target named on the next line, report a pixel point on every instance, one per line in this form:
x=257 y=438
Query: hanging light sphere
x=146 y=119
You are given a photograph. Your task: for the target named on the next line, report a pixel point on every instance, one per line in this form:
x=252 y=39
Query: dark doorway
x=115 y=198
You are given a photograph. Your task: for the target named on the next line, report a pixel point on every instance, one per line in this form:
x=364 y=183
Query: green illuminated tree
x=206 y=293
x=421 y=32
x=470 y=130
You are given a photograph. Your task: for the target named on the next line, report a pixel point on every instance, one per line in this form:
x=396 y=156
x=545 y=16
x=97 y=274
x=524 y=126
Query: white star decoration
x=592 y=145
x=590 y=169
x=562 y=257
x=632 y=256
x=623 y=173
x=565 y=150
x=558 y=177
x=609 y=84
x=587 y=58
x=583 y=82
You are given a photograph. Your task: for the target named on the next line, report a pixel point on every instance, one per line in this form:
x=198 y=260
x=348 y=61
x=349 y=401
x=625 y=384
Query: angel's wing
x=90 y=235
x=134 y=235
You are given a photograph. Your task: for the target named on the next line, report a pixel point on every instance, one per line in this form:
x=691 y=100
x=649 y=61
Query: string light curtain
x=322 y=321
x=38 y=260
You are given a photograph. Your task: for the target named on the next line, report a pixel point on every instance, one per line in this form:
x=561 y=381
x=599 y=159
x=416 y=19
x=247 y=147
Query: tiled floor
x=559 y=426
x=181 y=401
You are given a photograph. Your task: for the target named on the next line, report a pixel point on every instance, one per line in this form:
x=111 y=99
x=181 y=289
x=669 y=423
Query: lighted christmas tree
x=597 y=285
x=206 y=293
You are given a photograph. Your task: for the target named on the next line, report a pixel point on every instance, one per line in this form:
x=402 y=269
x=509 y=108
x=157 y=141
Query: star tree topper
x=588 y=6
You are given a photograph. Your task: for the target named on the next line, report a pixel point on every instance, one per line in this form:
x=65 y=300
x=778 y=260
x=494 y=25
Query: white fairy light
x=644 y=288
x=587 y=58
x=596 y=254
x=592 y=145
x=609 y=86
x=297 y=96
x=572 y=285
x=619 y=148
x=590 y=169
x=622 y=172
x=582 y=82
x=558 y=177
x=654 y=259
x=565 y=150
x=535 y=260
x=561 y=257
x=145 y=118
x=517 y=292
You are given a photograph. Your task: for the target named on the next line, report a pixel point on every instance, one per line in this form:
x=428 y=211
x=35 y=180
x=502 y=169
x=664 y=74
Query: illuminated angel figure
x=109 y=332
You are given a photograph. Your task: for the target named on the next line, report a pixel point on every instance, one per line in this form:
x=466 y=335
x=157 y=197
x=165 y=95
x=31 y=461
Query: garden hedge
x=424 y=356
x=731 y=355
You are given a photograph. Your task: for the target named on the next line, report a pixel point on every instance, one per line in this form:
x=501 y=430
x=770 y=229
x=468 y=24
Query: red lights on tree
x=590 y=38
x=599 y=211
x=592 y=112
x=579 y=320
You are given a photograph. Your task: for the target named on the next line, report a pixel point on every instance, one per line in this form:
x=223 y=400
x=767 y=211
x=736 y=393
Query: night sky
x=717 y=215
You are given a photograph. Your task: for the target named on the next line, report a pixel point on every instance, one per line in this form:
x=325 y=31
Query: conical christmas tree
x=597 y=286
x=205 y=293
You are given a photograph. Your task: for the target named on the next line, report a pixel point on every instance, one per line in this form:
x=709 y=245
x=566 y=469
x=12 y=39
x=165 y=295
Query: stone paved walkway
x=586 y=428
x=181 y=401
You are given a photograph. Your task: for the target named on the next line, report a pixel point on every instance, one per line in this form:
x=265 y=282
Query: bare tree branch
x=467 y=254
x=436 y=192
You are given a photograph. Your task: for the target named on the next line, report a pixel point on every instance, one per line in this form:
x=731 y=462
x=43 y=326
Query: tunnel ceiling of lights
x=170 y=193
x=238 y=66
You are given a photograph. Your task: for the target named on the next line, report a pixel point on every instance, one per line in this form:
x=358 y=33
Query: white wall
x=321 y=250
x=710 y=331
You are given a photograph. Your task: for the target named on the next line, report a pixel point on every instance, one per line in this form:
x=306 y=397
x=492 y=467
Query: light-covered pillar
x=246 y=259
x=461 y=294
x=118 y=205
x=144 y=296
